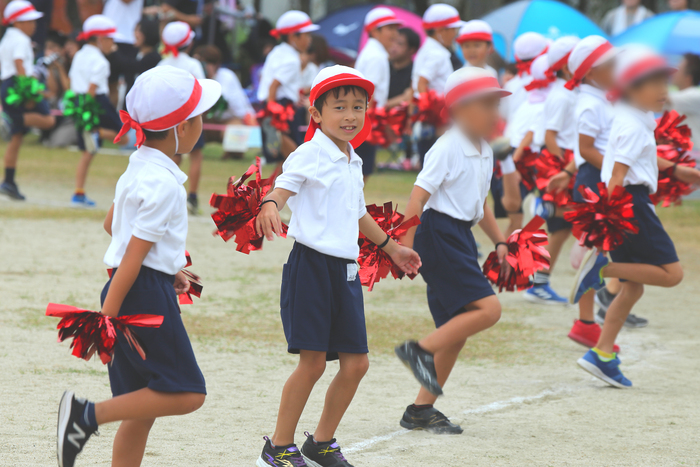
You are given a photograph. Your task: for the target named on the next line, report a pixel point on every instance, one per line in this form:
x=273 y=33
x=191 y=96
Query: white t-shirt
x=89 y=66
x=284 y=65
x=185 y=62
x=126 y=15
x=150 y=203
x=632 y=143
x=373 y=62
x=238 y=103
x=594 y=117
x=308 y=75
x=433 y=63
x=457 y=176
x=329 y=200
x=560 y=114
x=528 y=117
x=511 y=104
x=687 y=102
x=15 y=45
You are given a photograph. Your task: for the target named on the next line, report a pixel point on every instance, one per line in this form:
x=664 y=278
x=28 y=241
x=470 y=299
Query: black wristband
x=673 y=170
x=569 y=173
x=385 y=242
x=501 y=243
x=270 y=201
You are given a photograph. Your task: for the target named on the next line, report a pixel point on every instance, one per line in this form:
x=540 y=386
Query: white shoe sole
x=587 y=264
x=261 y=462
x=595 y=371
x=64 y=410
x=310 y=463
x=542 y=301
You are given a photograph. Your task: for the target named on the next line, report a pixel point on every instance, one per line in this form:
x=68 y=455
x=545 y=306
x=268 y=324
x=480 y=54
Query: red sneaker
x=587 y=334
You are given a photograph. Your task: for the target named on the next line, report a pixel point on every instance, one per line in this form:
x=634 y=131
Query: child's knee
x=675 y=276
x=632 y=290
x=355 y=368
x=194 y=402
x=313 y=368
x=511 y=204
x=494 y=313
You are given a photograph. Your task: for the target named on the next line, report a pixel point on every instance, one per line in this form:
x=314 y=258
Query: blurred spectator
x=219 y=35
x=146 y=40
x=687 y=99
x=401 y=59
x=51 y=68
x=619 y=19
x=309 y=70
x=126 y=14
x=189 y=11
x=319 y=51
x=42 y=24
x=677 y=5
x=71 y=47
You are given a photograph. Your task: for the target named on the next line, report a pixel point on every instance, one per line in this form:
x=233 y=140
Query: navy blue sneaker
x=545 y=295
x=82 y=201
x=588 y=275
x=11 y=190
x=608 y=372
x=544 y=209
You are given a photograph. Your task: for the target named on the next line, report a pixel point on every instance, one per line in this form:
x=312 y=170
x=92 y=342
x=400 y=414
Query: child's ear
x=315 y=114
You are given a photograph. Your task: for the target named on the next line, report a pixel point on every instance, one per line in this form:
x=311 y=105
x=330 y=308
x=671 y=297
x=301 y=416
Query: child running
x=476 y=40
x=16 y=60
x=450 y=196
x=321 y=299
x=148 y=225
x=649 y=256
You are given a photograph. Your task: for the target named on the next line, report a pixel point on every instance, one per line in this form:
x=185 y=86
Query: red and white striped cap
x=97 y=25
x=540 y=78
x=475 y=30
x=20 y=10
x=293 y=21
x=176 y=35
x=558 y=53
x=333 y=77
x=637 y=61
x=590 y=52
x=380 y=16
x=441 y=15
x=470 y=82
x=187 y=97
x=526 y=48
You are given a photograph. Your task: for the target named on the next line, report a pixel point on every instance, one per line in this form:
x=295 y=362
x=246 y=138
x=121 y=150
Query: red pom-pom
x=195 y=284
x=547 y=166
x=391 y=121
x=280 y=115
x=374 y=263
x=430 y=109
x=526 y=255
x=603 y=221
x=93 y=332
x=670 y=131
x=237 y=210
x=527 y=166
x=673 y=143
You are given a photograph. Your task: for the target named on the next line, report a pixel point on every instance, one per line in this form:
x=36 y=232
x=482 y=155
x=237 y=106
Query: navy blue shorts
x=450 y=265
x=200 y=142
x=368 y=154
x=16 y=112
x=557 y=224
x=297 y=126
x=651 y=245
x=170 y=365
x=589 y=176
x=109 y=119
x=321 y=309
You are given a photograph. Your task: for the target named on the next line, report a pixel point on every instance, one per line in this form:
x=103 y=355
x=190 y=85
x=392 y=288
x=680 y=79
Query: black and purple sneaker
x=429 y=419
x=280 y=456
x=323 y=454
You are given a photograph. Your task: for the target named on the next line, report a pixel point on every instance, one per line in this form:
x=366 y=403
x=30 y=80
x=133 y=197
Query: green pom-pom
x=83 y=109
x=24 y=90
x=218 y=109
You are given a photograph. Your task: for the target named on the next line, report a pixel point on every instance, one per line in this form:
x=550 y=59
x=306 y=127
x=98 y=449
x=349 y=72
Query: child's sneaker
x=323 y=454
x=11 y=190
x=588 y=275
x=545 y=295
x=544 y=209
x=421 y=363
x=632 y=321
x=193 y=204
x=430 y=419
x=73 y=429
x=587 y=334
x=608 y=372
x=280 y=456
x=79 y=200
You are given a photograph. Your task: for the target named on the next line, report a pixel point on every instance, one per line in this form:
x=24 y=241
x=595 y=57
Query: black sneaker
x=280 y=456
x=11 y=190
x=193 y=204
x=603 y=299
x=430 y=419
x=73 y=429
x=323 y=454
x=632 y=321
x=421 y=363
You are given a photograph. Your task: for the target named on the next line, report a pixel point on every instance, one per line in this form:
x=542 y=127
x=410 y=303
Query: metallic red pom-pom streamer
x=526 y=255
x=527 y=166
x=670 y=131
x=93 y=332
x=673 y=143
x=603 y=221
x=280 y=115
x=385 y=121
x=374 y=263
x=430 y=109
x=237 y=210
x=195 y=284
x=547 y=166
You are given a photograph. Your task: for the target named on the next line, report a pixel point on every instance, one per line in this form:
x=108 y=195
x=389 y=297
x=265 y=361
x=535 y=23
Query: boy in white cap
x=177 y=38
x=450 y=195
x=280 y=77
x=17 y=59
x=148 y=225
x=476 y=40
x=382 y=25
x=322 y=308
x=89 y=74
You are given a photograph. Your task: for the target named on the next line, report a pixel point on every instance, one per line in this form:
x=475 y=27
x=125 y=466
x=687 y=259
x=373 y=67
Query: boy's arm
x=560 y=181
x=683 y=173
x=422 y=85
x=416 y=203
x=125 y=276
x=490 y=227
x=618 y=176
x=550 y=142
x=92 y=89
x=108 y=220
x=404 y=257
x=272 y=96
x=526 y=142
x=268 y=221
x=588 y=151
x=19 y=66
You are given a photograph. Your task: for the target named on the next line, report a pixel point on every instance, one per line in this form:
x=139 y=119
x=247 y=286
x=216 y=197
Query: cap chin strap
x=177 y=142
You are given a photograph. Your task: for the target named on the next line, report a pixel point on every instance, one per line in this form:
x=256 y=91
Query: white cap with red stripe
x=185 y=97
x=637 y=61
x=293 y=21
x=97 y=25
x=380 y=16
x=20 y=10
x=558 y=53
x=475 y=30
x=177 y=35
x=529 y=45
x=590 y=52
x=470 y=82
x=441 y=15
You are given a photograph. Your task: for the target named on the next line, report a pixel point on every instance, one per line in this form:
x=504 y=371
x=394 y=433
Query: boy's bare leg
x=613 y=285
x=665 y=275
x=146 y=404
x=82 y=171
x=130 y=442
x=586 y=305
x=620 y=308
x=195 y=172
x=556 y=242
x=12 y=151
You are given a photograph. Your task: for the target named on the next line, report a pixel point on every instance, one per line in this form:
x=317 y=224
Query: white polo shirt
x=373 y=62
x=89 y=66
x=433 y=63
x=150 y=203
x=126 y=15
x=284 y=65
x=457 y=176
x=238 y=103
x=632 y=143
x=594 y=117
x=518 y=96
x=528 y=117
x=15 y=45
x=329 y=200
x=560 y=114
x=185 y=62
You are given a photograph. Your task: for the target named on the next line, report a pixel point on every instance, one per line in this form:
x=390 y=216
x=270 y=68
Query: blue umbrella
x=550 y=18
x=672 y=33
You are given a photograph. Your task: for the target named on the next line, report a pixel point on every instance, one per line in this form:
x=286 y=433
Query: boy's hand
x=502 y=252
x=181 y=284
x=687 y=174
x=406 y=259
x=268 y=221
x=558 y=183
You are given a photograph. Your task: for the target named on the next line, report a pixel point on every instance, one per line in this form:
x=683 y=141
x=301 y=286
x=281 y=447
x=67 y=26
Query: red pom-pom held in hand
x=195 y=284
x=603 y=221
x=547 y=166
x=280 y=115
x=374 y=263
x=93 y=332
x=669 y=131
x=673 y=143
x=386 y=121
x=430 y=109
x=527 y=167
x=237 y=210
x=526 y=255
